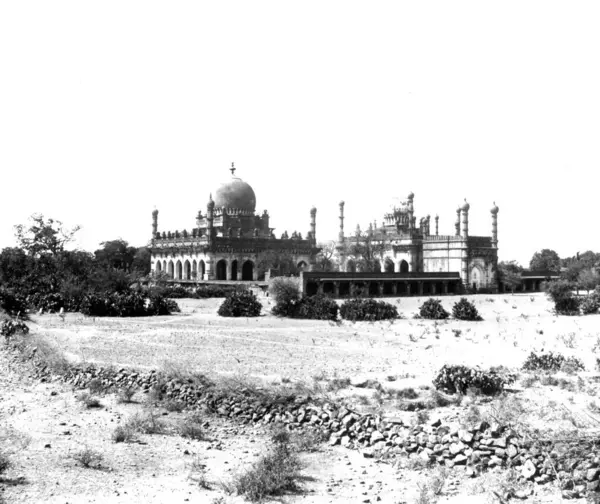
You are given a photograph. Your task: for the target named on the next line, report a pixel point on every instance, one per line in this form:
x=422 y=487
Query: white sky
x=110 y=108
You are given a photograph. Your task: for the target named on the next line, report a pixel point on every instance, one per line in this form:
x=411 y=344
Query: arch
x=350 y=266
x=187 y=270
x=179 y=270
x=404 y=266
x=476 y=278
x=158 y=267
x=171 y=269
x=164 y=267
x=194 y=269
x=234 y=269
x=388 y=265
x=201 y=270
x=248 y=270
x=221 y=270
x=302 y=266
x=376 y=266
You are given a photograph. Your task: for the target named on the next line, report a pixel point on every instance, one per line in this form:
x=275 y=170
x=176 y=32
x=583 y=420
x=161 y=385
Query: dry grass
x=88 y=457
x=89 y=400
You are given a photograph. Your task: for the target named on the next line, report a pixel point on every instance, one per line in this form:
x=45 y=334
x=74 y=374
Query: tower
x=313 y=224
x=457 y=223
x=154 y=222
x=465 y=219
x=494 y=211
x=341 y=235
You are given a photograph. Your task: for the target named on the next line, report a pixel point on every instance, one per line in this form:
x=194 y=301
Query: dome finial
x=232 y=169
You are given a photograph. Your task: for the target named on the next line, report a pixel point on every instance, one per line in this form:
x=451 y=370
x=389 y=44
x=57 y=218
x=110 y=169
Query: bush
x=465 y=310
x=128 y=304
x=88 y=457
x=459 y=378
x=589 y=304
x=433 y=309
x=318 y=307
x=567 y=306
x=550 y=361
x=284 y=290
x=11 y=327
x=367 y=309
x=4 y=462
x=12 y=303
x=240 y=304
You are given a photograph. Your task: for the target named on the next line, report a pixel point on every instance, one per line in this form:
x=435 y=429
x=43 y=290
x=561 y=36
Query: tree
x=141 y=263
x=44 y=236
x=545 y=260
x=367 y=249
x=281 y=260
x=116 y=254
x=325 y=258
x=588 y=279
x=509 y=274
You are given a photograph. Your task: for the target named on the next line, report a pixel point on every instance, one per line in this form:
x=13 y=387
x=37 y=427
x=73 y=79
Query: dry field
x=281 y=353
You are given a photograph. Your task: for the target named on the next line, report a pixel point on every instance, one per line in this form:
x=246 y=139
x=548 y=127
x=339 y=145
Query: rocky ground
x=43 y=426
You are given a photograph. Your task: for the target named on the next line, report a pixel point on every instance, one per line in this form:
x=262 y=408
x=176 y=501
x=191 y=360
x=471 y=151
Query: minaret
x=154 y=222
x=437 y=220
x=411 y=210
x=313 y=224
x=465 y=219
x=341 y=236
x=457 y=224
x=494 y=212
x=210 y=216
x=428 y=225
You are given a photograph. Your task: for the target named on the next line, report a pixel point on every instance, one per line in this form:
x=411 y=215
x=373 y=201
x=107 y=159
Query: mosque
x=233 y=242
x=229 y=242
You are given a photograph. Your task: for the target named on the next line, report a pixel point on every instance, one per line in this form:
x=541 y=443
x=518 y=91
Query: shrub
x=88 y=457
x=125 y=395
x=127 y=304
x=4 y=462
x=240 y=304
x=433 y=309
x=567 y=306
x=550 y=361
x=191 y=427
x=284 y=290
x=123 y=434
x=88 y=400
x=465 y=310
x=273 y=474
x=12 y=303
x=589 y=305
x=459 y=378
x=367 y=309
x=11 y=327
x=318 y=307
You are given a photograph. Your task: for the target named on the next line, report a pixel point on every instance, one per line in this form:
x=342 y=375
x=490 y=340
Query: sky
x=110 y=109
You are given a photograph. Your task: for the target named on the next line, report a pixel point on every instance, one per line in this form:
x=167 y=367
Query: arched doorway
x=187 y=270
x=158 y=267
x=171 y=269
x=403 y=266
x=376 y=266
x=164 y=267
x=476 y=278
x=234 y=269
x=389 y=265
x=201 y=270
x=179 y=270
x=350 y=266
x=248 y=270
x=194 y=269
x=301 y=266
x=221 y=270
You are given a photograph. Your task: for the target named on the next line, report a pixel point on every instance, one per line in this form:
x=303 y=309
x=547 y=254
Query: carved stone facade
x=229 y=242
x=400 y=246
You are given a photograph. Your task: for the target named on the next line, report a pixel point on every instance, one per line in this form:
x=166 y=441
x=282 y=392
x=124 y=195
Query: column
x=228 y=271
x=380 y=288
x=394 y=288
x=319 y=287
x=445 y=284
x=433 y=288
x=420 y=287
x=336 y=289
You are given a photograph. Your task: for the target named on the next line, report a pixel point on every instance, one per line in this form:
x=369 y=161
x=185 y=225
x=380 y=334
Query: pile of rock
x=574 y=462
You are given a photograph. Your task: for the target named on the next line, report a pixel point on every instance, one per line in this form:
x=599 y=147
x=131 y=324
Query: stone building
x=405 y=246
x=229 y=242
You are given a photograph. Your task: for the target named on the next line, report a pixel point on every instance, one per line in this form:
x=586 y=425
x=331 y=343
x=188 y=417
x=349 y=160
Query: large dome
x=236 y=194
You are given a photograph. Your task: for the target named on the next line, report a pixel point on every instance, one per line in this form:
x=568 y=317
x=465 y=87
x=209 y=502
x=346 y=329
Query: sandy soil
x=42 y=425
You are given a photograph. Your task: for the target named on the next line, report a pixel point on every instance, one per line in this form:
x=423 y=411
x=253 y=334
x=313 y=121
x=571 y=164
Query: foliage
x=325 y=259
x=561 y=293
x=44 y=236
x=283 y=261
x=10 y=327
x=129 y=304
x=240 y=304
x=589 y=305
x=366 y=249
x=465 y=310
x=88 y=457
x=284 y=290
x=273 y=474
x=588 y=279
x=550 y=361
x=367 y=309
x=509 y=274
x=545 y=260
x=318 y=307
x=567 y=306
x=12 y=303
x=5 y=462
x=432 y=309
x=459 y=378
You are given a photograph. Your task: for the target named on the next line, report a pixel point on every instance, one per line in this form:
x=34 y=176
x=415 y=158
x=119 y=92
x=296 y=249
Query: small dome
x=411 y=195
x=494 y=209
x=465 y=207
x=236 y=194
